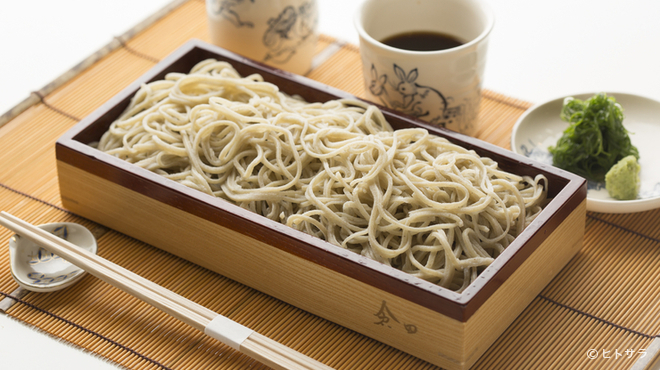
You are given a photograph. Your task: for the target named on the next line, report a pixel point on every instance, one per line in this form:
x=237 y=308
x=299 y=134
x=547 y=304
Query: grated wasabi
x=622 y=180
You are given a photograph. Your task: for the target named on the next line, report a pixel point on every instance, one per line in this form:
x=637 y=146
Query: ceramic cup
x=280 y=33
x=442 y=87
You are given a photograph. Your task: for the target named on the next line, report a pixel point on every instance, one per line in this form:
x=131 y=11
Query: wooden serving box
x=438 y=325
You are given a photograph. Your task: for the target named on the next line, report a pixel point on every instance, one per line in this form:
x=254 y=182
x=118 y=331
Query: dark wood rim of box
x=566 y=189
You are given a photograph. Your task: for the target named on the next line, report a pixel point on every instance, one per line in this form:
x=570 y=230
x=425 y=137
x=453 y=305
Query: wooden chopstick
x=95 y=259
x=237 y=336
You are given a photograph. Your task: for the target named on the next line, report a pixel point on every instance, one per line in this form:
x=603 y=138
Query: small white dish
x=36 y=269
x=540 y=127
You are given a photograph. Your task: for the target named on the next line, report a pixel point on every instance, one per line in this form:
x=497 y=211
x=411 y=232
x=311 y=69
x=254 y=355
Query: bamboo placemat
x=604 y=304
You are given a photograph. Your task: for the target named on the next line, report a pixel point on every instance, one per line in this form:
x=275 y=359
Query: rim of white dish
x=538 y=105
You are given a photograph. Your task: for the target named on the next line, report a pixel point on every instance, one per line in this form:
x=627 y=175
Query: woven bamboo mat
x=604 y=304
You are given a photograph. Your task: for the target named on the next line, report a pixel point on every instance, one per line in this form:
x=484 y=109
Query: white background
x=538 y=50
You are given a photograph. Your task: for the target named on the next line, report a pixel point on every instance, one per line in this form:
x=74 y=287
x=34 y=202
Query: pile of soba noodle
x=334 y=170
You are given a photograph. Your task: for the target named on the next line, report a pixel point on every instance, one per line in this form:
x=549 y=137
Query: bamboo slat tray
x=443 y=327
x=604 y=302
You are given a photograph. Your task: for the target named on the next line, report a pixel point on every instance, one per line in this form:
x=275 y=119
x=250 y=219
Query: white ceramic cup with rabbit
x=280 y=33
x=442 y=87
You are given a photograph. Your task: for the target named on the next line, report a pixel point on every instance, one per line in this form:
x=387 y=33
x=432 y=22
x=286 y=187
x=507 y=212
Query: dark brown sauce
x=422 y=41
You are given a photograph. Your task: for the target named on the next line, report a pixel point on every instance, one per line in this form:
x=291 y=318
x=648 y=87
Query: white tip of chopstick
x=228 y=331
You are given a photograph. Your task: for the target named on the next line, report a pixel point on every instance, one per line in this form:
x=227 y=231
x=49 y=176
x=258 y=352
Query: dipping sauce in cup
x=426 y=58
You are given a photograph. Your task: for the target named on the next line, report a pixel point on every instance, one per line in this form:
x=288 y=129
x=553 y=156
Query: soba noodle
x=334 y=170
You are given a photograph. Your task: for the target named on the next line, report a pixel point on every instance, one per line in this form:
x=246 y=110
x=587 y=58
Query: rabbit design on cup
x=286 y=32
x=382 y=88
x=409 y=97
x=418 y=100
x=224 y=8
